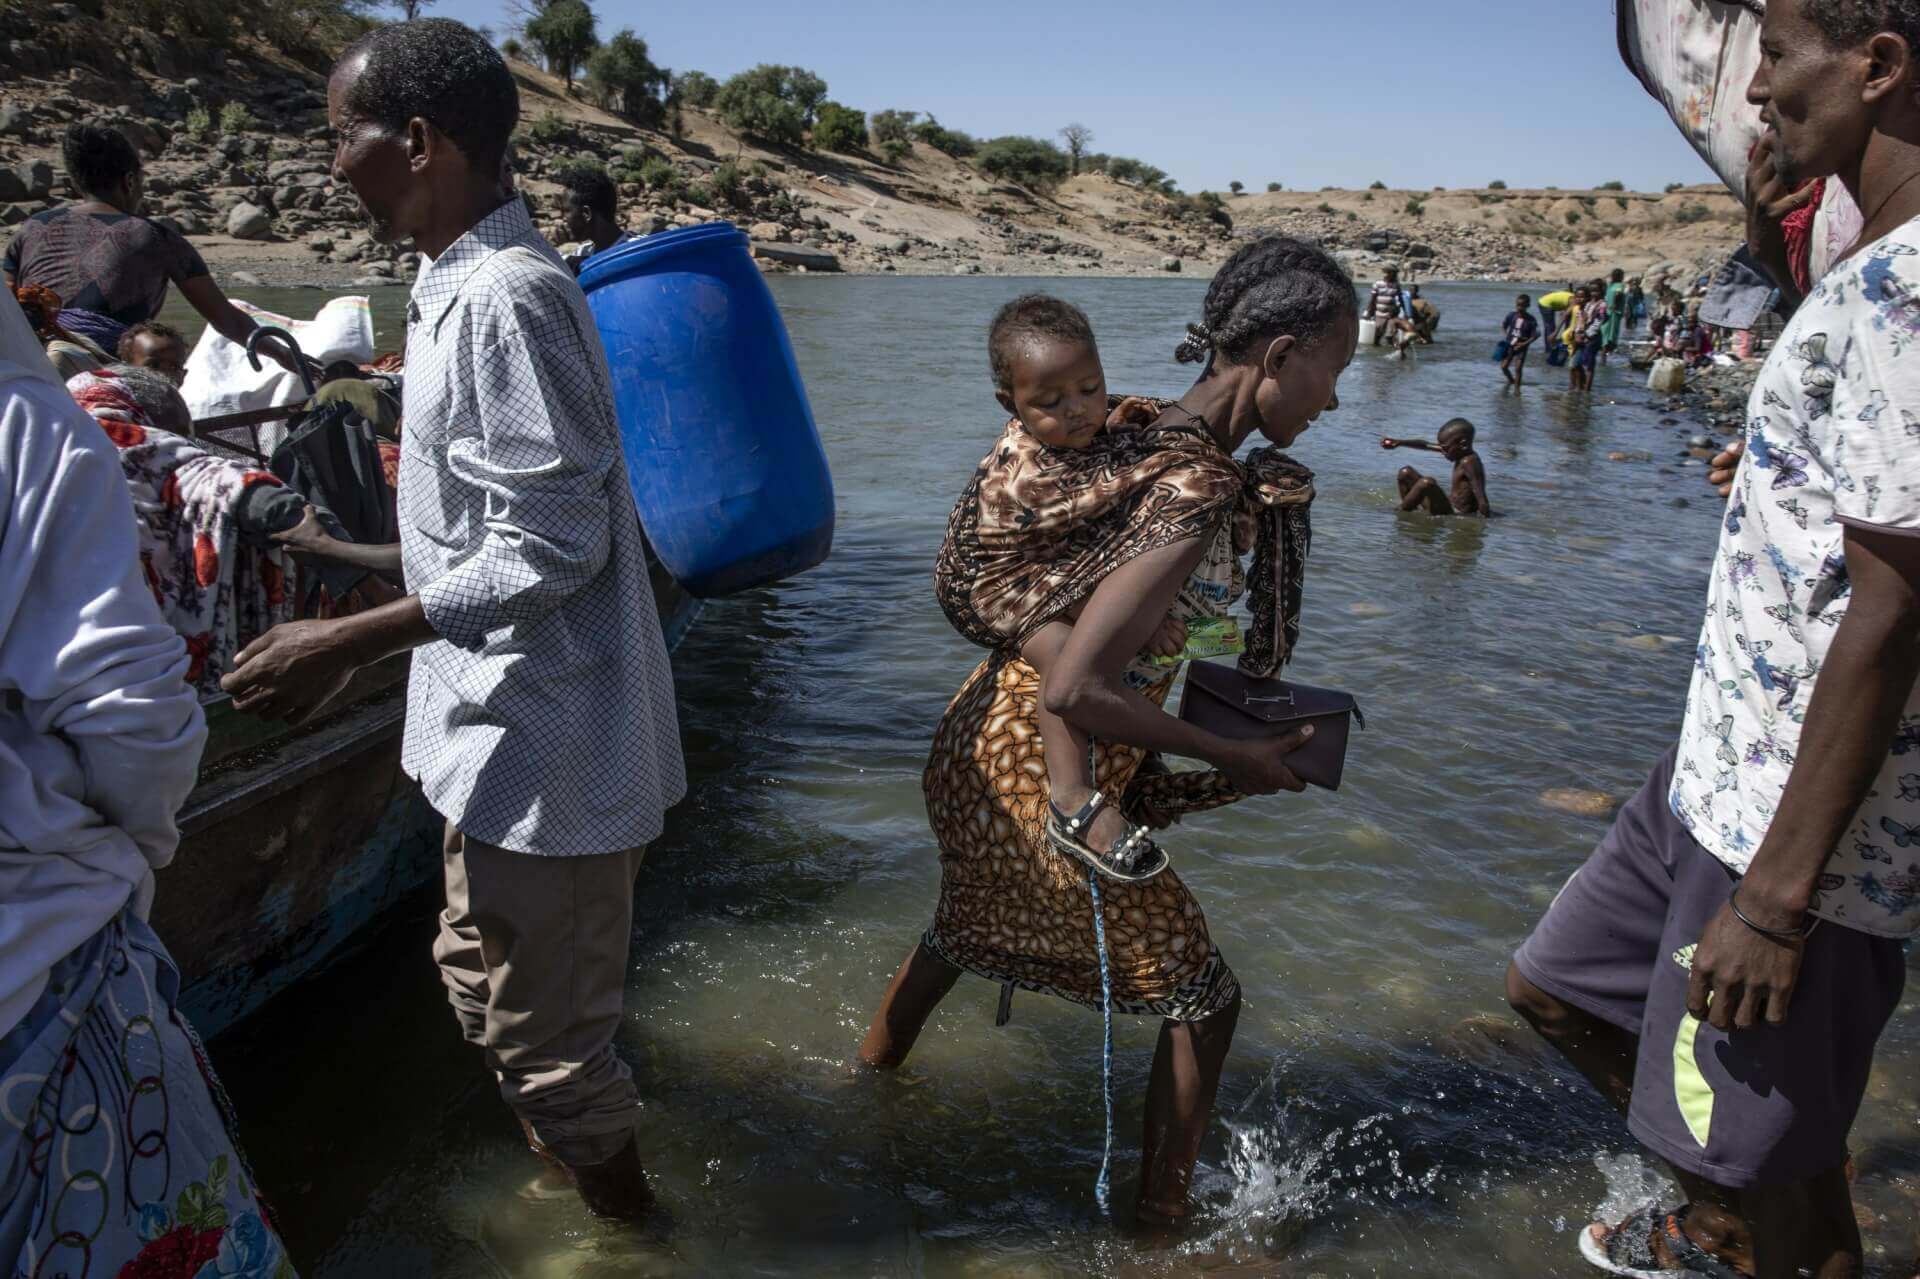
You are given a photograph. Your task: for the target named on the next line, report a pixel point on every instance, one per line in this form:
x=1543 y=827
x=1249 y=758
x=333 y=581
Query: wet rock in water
x=1580 y=803
x=1170 y=264
x=1700 y=442
x=370 y=281
x=1368 y=610
x=249 y=221
x=967 y=268
x=1618 y=457
x=245 y=280
x=1650 y=643
x=1680 y=502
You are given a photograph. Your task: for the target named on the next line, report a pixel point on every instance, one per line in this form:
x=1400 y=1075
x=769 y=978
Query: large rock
x=249 y=221
x=11 y=214
x=1170 y=264
x=772 y=232
x=288 y=170
x=36 y=176
x=153 y=53
x=14 y=118
x=11 y=187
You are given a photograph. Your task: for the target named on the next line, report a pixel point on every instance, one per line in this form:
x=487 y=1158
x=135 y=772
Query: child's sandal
x=1135 y=859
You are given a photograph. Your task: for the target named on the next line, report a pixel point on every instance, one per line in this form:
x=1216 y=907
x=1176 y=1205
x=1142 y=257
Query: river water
x=1382 y=1113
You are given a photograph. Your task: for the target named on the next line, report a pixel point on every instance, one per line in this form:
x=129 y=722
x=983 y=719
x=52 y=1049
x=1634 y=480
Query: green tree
x=512 y=48
x=892 y=126
x=1028 y=161
x=1077 y=137
x=760 y=114
x=410 y=9
x=623 y=78
x=1612 y=186
x=947 y=141
x=1377 y=186
x=1272 y=187
x=1236 y=186
x=839 y=128
x=564 y=33
x=696 y=88
x=1496 y=185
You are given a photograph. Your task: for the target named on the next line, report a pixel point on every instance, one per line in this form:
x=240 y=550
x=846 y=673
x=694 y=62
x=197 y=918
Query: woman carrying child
x=1075 y=558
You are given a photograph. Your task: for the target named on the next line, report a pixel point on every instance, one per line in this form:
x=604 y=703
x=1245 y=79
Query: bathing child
x=1467 y=494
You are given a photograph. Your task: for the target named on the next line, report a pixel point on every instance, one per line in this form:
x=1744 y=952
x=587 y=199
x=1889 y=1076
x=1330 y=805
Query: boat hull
x=296 y=841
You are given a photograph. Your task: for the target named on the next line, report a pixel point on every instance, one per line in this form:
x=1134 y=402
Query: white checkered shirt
x=543 y=722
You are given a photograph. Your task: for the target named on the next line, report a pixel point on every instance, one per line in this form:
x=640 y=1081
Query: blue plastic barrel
x=726 y=463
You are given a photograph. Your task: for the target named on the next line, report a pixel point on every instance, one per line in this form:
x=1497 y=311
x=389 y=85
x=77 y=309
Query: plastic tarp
x=219 y=379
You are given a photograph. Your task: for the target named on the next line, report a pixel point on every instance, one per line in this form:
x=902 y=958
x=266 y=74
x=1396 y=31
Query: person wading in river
x=1724 y=963
x=530 y=606
x=1281 y=323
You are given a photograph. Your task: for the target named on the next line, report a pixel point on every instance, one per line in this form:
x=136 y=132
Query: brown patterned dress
x=1012 y=909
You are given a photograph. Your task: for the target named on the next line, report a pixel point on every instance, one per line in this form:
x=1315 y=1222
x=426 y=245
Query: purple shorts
x=1766 y=1106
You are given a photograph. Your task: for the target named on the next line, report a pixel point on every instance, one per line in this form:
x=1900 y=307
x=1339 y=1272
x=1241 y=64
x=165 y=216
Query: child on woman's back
x=1047 y=373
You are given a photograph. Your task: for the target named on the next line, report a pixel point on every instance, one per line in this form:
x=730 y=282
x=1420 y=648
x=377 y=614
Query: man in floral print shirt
x=1724 y=963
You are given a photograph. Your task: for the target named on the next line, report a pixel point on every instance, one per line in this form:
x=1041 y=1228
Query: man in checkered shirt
x=540 y=714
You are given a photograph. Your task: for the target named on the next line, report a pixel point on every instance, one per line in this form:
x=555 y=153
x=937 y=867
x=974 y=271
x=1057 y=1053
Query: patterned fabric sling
x=1038 y=528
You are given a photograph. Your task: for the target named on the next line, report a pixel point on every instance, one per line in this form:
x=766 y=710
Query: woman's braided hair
x=1271 y=287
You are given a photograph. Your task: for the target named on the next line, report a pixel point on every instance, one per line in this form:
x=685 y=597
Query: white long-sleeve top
x=100 y=736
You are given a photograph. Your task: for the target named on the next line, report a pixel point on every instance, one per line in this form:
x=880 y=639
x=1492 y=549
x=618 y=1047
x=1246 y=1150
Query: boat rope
x=1102 y=1187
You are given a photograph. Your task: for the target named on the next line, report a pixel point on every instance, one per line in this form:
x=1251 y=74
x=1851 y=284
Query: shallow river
x=1382 y=1114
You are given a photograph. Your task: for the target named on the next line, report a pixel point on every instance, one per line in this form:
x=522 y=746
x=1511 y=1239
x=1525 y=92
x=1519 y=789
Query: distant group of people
x=1399 y=315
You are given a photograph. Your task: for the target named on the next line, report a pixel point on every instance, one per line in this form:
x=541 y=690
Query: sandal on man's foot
x=1627 y=1249
x=1133 y=860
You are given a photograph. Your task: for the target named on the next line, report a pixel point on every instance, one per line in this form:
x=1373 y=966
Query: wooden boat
x=295 y=840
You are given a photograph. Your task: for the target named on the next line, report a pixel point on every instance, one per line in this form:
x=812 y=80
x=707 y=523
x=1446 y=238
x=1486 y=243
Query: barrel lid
x=648 y=251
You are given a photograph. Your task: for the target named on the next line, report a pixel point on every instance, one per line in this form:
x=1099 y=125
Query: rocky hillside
x=237 y=157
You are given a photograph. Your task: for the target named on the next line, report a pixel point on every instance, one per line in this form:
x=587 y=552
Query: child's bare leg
x=1519 y=368
x=1422 y=493
x=916 y=990
x=1065 y=747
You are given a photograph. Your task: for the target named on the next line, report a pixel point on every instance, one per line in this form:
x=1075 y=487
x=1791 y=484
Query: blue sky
x=1534 y=93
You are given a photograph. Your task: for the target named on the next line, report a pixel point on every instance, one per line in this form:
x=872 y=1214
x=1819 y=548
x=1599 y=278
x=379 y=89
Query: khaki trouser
x=533 y=951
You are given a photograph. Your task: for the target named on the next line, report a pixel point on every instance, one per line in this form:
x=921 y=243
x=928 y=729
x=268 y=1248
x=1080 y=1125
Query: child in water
x=1467 y=494
x=1517 y=334
x=1047 y=374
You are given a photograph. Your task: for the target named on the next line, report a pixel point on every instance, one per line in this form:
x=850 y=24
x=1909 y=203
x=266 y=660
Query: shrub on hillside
x=728 y=186
x=660 y=177
x=1573 y=217
x=761 y=115
x=892 y=126
x=1496 y=185
x=1032 y=162
x=771 y=102
x=696 y=88
x=948 y=141
x=1324 y=207
x=199 y=123
x=1272 y=187
x=1671 y=187
x=839 y=128
x=1377 y=186
x=1416 y=208
x=623 y=78
x=1236 y=186
x=236 y=118
x=1611 y=186
x=895 y=150
x=512 y=48
x=1691 y=212
x=550 y=130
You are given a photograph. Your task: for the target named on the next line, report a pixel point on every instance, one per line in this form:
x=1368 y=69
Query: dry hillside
x=237 y=154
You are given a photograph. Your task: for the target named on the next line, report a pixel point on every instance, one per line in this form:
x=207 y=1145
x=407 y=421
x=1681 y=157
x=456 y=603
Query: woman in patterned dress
x=1156 y=525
